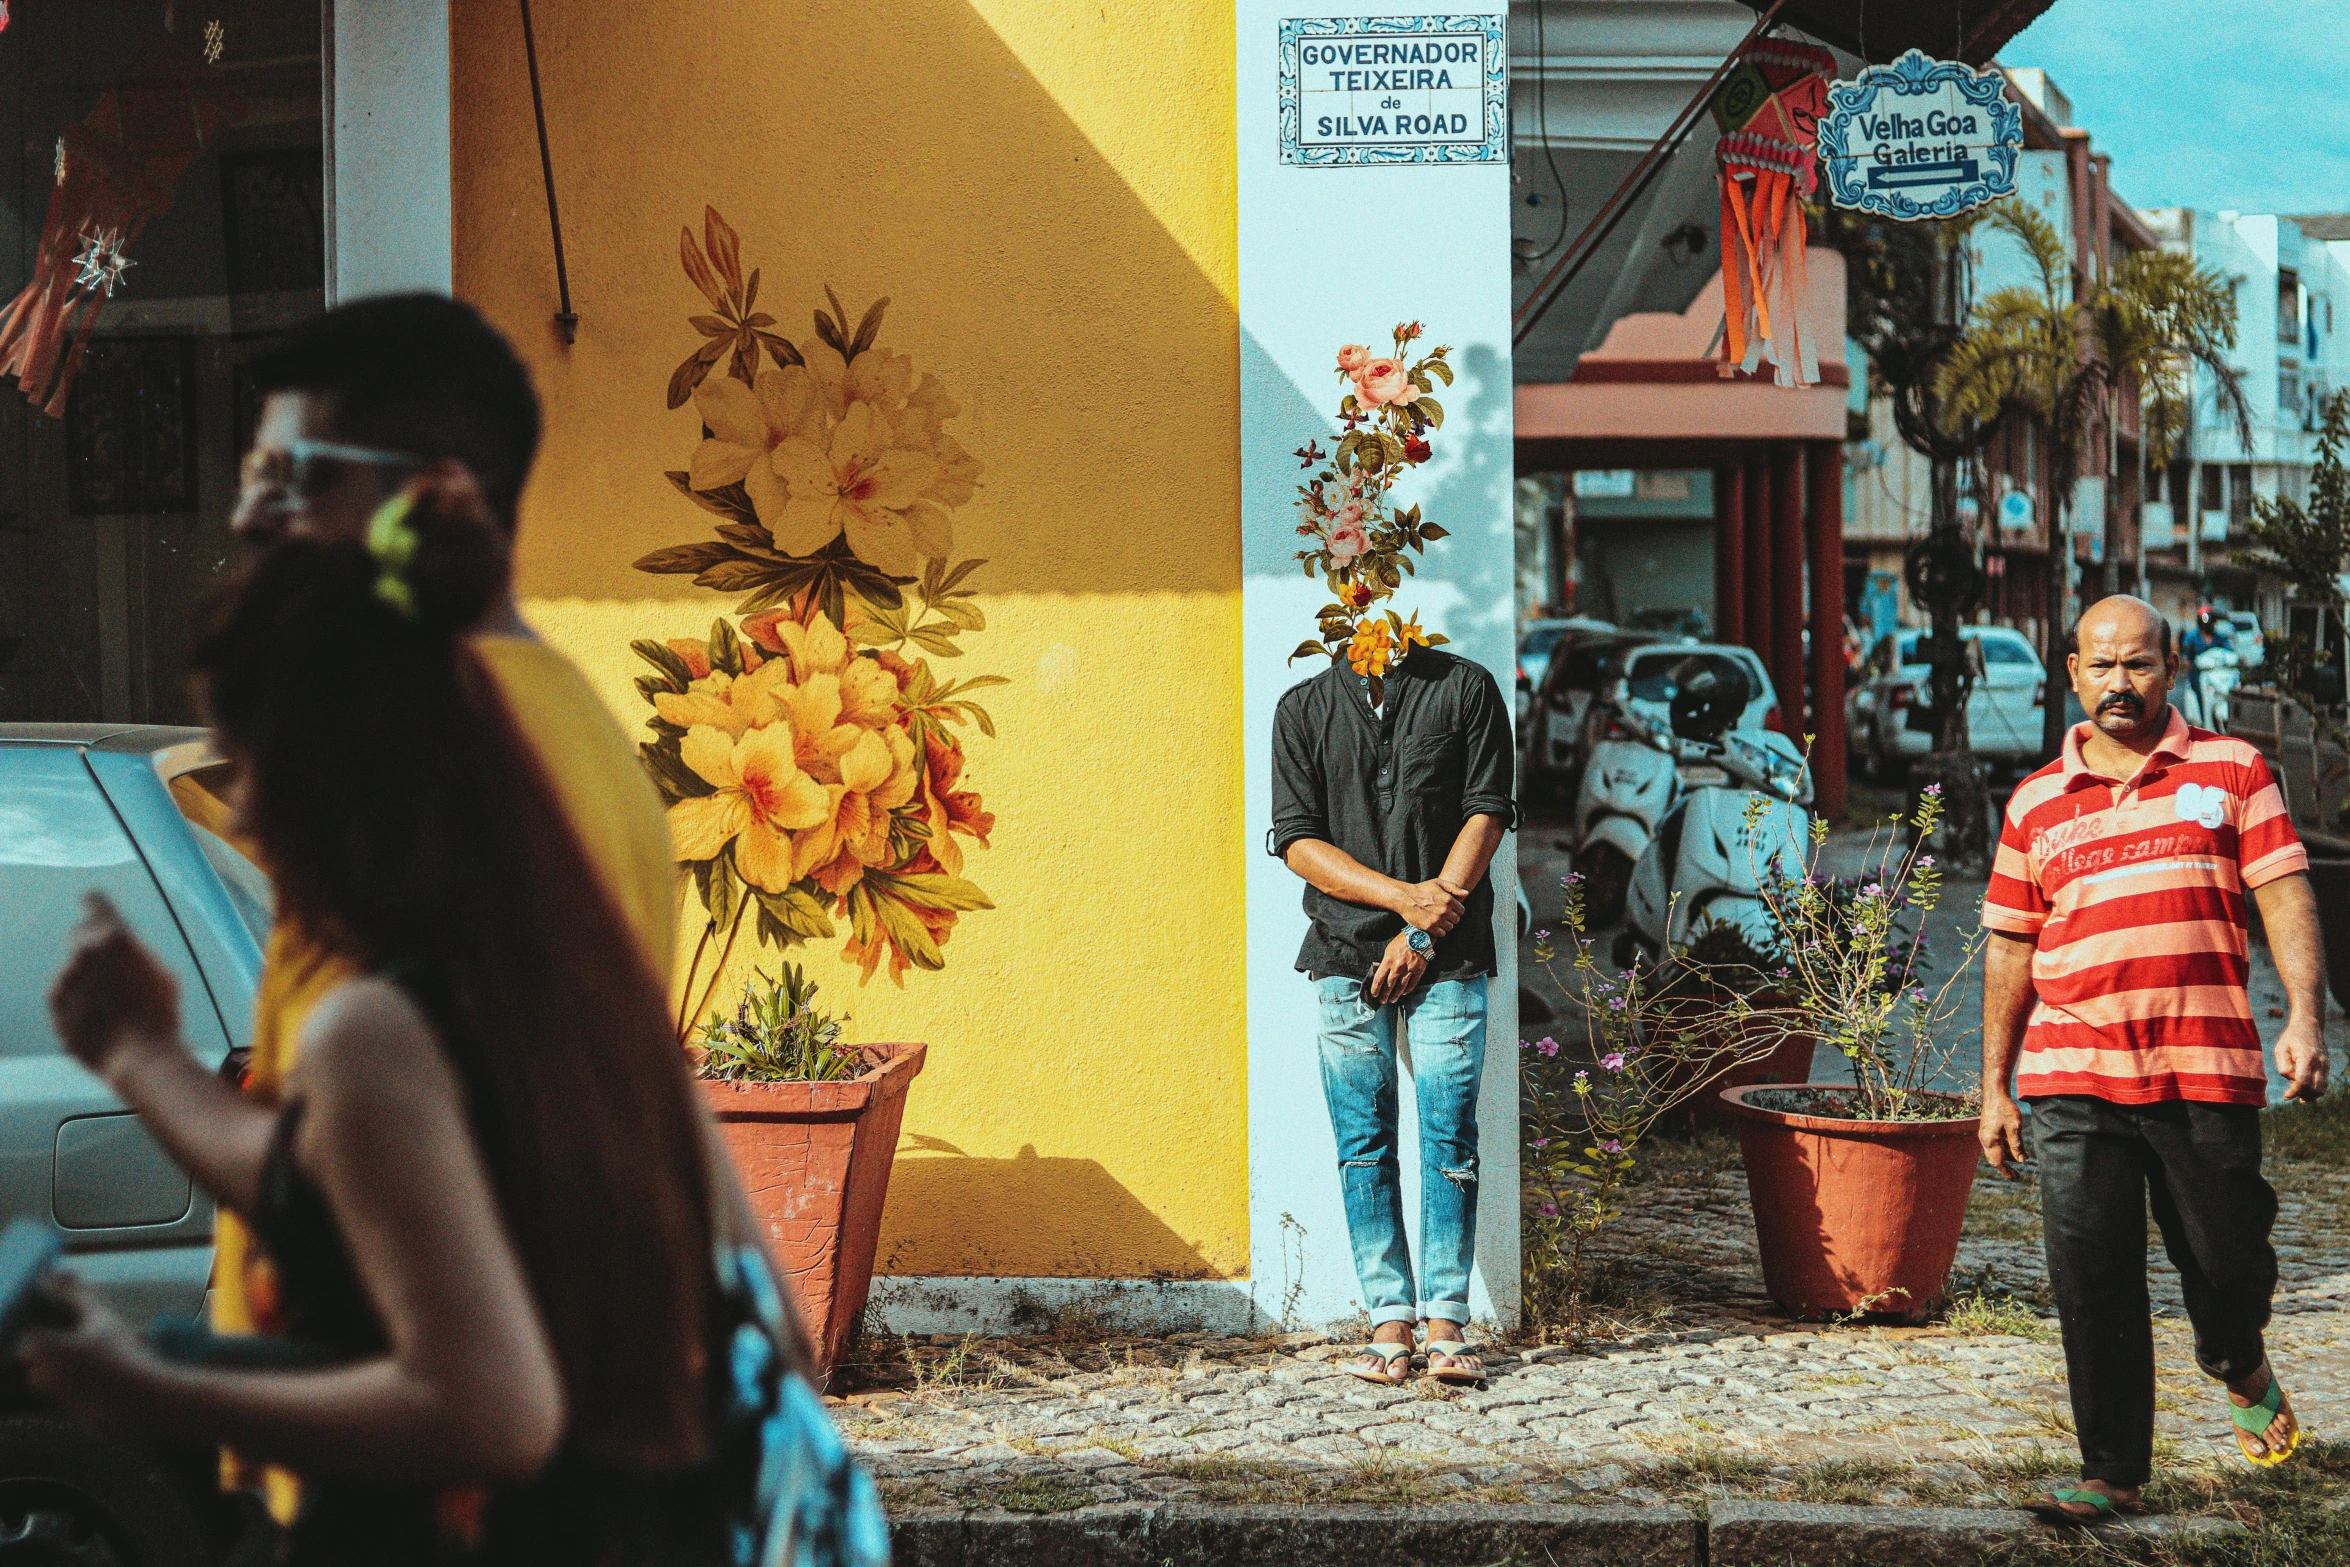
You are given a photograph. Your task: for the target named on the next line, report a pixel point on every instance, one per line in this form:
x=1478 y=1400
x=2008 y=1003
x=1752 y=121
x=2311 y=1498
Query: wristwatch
x=1419 y=941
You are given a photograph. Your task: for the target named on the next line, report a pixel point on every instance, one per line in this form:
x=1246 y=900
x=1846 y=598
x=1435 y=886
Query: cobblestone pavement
x=1704 y=1386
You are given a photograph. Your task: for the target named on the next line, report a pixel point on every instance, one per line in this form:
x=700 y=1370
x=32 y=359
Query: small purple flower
x=1613 y=1060
x=1547 y=1045
x=1934 y=791
x=1873 y=890
x=1548 y=1210
x=1918 y=994
x=1615 y=1004
x=1582 y=1077
x=1611 y=1146
x=1539 y=1142
x=1781 y=972
x=1925 y=862
x=1574 y=878
x=1542 y=935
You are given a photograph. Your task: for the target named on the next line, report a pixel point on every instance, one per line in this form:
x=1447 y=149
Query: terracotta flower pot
x=815 y=1159
x=1854 y=1215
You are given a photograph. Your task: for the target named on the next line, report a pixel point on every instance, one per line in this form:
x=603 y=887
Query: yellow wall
x=1044 y=190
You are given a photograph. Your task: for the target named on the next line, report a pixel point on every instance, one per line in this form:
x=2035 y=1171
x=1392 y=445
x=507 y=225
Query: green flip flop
x=2253 y=1421
x=2052 y=1509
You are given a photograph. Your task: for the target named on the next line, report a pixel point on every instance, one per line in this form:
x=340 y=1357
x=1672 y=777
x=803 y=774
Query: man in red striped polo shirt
x=2114 y=993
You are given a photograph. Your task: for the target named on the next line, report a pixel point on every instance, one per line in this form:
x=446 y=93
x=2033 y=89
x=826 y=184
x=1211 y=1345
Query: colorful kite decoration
x=116 y=170
x=1769 y=113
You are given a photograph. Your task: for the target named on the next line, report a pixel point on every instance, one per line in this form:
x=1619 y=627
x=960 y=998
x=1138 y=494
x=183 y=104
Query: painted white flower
x=2206 y=805
x=747 y=423
x=861 y=484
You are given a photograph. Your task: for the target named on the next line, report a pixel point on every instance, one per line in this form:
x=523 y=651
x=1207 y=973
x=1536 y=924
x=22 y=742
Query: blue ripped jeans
x=1446 y=1028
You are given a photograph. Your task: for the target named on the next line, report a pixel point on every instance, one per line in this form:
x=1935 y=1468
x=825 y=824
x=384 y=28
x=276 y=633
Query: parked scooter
x=1714 y=847
x=1628 y=785
x=2204 y=695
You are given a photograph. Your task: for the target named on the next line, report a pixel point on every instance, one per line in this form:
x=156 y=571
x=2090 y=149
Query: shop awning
x=1969 y=30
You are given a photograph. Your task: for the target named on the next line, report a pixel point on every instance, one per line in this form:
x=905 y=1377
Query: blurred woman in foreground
x=523 y=1316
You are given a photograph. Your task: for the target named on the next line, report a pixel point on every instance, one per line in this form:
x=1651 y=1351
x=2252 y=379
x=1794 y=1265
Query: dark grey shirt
x=1392 y=790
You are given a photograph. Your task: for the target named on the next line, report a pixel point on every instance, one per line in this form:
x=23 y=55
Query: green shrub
x=778 y=1035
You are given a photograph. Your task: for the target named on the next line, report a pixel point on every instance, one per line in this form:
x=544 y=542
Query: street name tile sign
x=1920 y=138
x=1394 y=89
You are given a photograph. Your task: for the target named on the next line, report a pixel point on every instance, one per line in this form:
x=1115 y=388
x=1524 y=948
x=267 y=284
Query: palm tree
x=2062 y=362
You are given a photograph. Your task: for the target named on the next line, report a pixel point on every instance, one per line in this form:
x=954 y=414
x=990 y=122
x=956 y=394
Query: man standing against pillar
x=2115 y=991
x=1392 y=813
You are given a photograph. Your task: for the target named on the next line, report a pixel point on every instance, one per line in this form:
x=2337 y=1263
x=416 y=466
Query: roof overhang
x=1969 y=30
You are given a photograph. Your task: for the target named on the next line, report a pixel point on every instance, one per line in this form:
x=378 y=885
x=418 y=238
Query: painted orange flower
x=1372 y=648
x=760 y=799
x=948 y=810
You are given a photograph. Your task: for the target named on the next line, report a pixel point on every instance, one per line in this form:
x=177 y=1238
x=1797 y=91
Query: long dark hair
x=409 y=826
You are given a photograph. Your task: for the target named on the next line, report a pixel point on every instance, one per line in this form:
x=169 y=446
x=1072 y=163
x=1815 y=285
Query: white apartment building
x=2291 y=277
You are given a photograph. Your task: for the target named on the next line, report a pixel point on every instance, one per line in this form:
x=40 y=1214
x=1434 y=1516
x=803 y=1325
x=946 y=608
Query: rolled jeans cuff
x=1446 y=1311
x=1383 y=1315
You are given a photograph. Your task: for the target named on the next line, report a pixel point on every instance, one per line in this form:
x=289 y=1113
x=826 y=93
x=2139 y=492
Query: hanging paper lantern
x=1769 y=113
x=116 y=170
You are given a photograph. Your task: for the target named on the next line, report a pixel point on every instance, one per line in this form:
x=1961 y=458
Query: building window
x=2288 y=306
x=114 y=509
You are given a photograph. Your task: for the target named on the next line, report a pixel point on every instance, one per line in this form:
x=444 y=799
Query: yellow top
x=611 y=804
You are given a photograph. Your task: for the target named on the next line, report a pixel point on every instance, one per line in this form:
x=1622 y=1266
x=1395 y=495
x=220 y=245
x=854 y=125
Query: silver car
x=99 y=807
x=1886 y=710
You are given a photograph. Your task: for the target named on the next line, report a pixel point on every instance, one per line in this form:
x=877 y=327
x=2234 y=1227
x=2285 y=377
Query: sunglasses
x=293 y=470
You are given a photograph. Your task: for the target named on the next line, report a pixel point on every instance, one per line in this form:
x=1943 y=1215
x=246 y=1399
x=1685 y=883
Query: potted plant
x=1647 y=1048
x=1860 y=1190
x=812 y=1124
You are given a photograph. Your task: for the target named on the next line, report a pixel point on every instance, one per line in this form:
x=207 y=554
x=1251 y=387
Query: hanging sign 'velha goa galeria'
x=1920 y=138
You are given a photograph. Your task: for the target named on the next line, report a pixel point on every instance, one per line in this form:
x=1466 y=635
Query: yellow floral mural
x=811 y=758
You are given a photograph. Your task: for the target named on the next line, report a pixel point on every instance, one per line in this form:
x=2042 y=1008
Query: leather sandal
x=1394 y=1364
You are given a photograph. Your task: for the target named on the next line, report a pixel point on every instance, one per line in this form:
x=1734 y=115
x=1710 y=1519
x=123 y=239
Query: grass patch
x=1981 y=1315
x=1703 y=1467
x=1036 y=1494
x=2298 y=1515
x=2310 y=1133
x=1380 y=1481
x=1853 y=1480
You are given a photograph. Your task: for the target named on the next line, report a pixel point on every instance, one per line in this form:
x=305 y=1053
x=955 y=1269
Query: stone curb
x=1180 y=1535
x=1740 y=1534
x=1768 y=1534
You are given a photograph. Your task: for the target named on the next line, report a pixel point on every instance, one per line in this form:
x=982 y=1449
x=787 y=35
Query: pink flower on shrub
x=1547 y=1045
x=1352 y=358
x=1613 y=1060
x=1611 y=1146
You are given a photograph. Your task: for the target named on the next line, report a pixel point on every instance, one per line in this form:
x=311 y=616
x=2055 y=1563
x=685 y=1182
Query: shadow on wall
x=1094 y=358
x=948 y=1209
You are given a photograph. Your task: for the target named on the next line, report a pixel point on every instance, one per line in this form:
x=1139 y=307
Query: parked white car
x=1885 y=712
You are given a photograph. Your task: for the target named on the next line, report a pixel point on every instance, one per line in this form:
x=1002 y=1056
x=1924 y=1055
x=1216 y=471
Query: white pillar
x=1334 y=254
x=388 y=148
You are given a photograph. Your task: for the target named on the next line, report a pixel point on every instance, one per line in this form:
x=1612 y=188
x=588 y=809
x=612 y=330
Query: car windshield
x=1658 y=677
x=2000 y=650
x=200 y=796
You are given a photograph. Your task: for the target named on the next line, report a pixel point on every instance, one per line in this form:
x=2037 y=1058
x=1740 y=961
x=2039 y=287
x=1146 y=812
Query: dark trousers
x=2099 y=1164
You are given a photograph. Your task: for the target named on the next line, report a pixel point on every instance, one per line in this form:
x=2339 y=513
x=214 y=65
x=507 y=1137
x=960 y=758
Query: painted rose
x=1379 y=382
x=1352 y=358
x=1415 y=450
x=1346 y=542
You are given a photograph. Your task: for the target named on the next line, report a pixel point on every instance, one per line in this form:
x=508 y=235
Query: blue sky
x=2240 y=104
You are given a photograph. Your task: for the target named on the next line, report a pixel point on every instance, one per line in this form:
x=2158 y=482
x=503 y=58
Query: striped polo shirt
x=2134 y=890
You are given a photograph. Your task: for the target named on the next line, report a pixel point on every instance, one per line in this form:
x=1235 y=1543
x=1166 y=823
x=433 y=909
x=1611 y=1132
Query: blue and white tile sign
x=1394 y=89
x=1920 y=138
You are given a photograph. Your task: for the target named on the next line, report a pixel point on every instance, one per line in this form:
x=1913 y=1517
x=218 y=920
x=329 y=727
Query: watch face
x=1421 y=942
